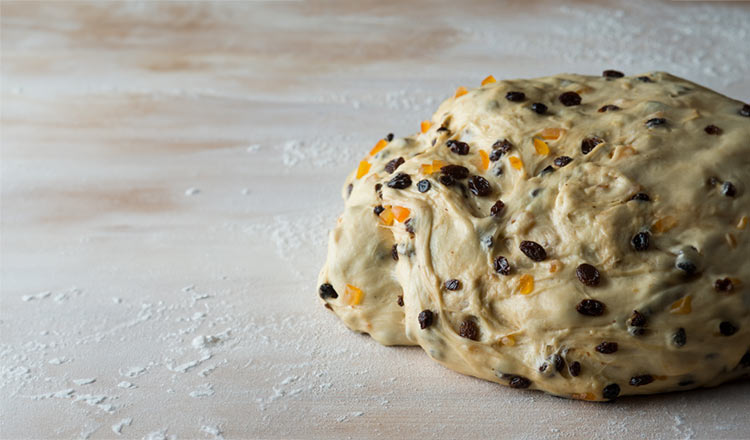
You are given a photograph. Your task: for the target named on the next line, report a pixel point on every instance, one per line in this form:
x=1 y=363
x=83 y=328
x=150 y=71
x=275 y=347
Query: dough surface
x=616 y=264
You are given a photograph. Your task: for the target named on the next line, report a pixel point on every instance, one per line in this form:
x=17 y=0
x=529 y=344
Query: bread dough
x=623 y=227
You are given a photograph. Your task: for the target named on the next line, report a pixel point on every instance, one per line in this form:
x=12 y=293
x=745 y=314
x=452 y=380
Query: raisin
x=727 y=328
x=378 y=186
x=394 y=164
x=425 y=318
x=712 y=129
x=447 y=180
x=713 y=181
x=644 y=79
x=453 y=284
x=409 y=223
x=515 y=96
x=547 y=170
x=723 y=285
x=458 y=172
x=539 y=108
x=562 y=161
x=745 y=111
x=401 y=181
x=502 y=266
x=655 y=122
x=378 y=209
x=590 y=307
x=497 y=208
x=400 y=300
x=423 y=185
x=608 y=108
x=641 y=241
x=469 y=330
x=558 y=362
x=458 y=147
x=443 y=128
x=645 y=379
x=570 y=98
x=679 y=338
x=588 y=275
x=394 y=252
x=685 y=265
x=685 y=383
x=479 y=186
x=496 y=155
x=588 y=144
x=607 y=347
x=745 y=361
x=533 y=250
x=389 y=137
x=574 y=368
x=612 y=74
x=637 y=320
x=728 y=189
x=503 y=146
x=641 y=197
x=349 y=190
x=327 y=291
x=518 y=382
x=611 y=391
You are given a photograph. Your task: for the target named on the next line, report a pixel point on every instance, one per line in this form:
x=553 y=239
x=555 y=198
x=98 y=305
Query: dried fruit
x=533 y=250
x=590 y=307
x=458 y=147
x=515 y=96
x=327 y=291
x=723 y=285
x=447 y=180
x=378 y=146
x=541 y=147
x=637 y=319
x=588 y=275
x=518 y=382
x=386 y=217
x=485 y=160
x=641 y=241
x=425 y=126
x=469 y=330
x=394 y=252
x=453 y=284
x=378 y=209
x=562 y=161
x=461 y=91
x=638 y=381
x=641 y=197
x=499 y=148
x=489 y=80
x=363 y=168
x=745 y=110
x=726 y=328
x=456 y=171
x=400 y=181
x=588 y=144
x=425 y=318
x=352 y=295
x=502 y=266
x=479 y=186
x=389 y=137
x=570 y=98
x=679 y=338
x=644 y=79
x=611 y=391
x=400 y=300
x=574 y=368
x=664 y=224
x=609 y=108
x=728 y=189
x=400 y=213
x=515 y=162
x=713 y=130
x=539 y=108
x=392 y=165
x=682 y=306
x=526 y=284
x=655 y=122
x=607 y=347
x=552 y=133
x=423 y=185
x=497 y=208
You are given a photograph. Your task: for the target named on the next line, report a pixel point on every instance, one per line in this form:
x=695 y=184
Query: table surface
x=169 y=175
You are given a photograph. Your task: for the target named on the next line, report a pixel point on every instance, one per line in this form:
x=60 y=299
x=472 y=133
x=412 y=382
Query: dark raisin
x=409 y=223
x=456 y=171
x=453 y=284
x=745 y=360
x=499 y=170
x=574 y=368
x=425 y=318
x=612 y=74
x=686 y=266
x=400 y=300
x=533 y=250
x=389 y=137
x=394 y=252
x=515 y=96
x=611 y=391
x=547 y=170
x=558 y=362
x=519 y=382
x=641 y=241
x=401 y=181
x=458 y=147
x=543 y=367
x=327 y=291
x=637 y=320
x=588 y=275
x=562 y=161
x=423 y=185
x=497 y=208
x=609 y=108
x=328 y=306
x=378 y=209
x=479 y=186
x=539 y=108
x=590 y=307
x=469 y=330
x=641 y=197
x=503 y=146
x=679 y=338
x=728 y=189
x=378 y=186
x=727 y=328
x=392 y=165
x=655 y=122
x=745 y=111
x=607 y=347
x=588 y=144
x=570 y=98
x=723 y=285
x=496 y=155
x=349 y=190
x=685 y=383
x=502 y=266
x=447 y=180
x=645 y=379
x=644 y=79
x=712 y=129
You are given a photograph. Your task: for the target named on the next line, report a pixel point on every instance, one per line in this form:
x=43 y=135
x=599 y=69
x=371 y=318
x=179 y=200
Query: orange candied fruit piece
x=386 y=216
x=664 y=224
x=352 y=295
x=742 y=224
x=541 y=147
x=489 y=80
x=426 y=168
x=552 y=133
x=583 y=396
x=508 y=340
x=682 y=306
x=363 y=168
x=400 y=213
x=515 y=162
x=526 y=284
x=553 y=268
x=379 y=146
x=461 y=91
x=434 y=167
x=485 y=159
x=425 y=125
x=731 y=241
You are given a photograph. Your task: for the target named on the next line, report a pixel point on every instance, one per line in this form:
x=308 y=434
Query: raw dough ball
x=584 y=236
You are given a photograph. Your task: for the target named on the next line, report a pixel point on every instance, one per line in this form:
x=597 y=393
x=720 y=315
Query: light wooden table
x=169 y=174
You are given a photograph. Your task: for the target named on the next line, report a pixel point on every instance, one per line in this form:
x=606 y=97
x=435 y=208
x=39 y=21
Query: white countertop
x=169 y=175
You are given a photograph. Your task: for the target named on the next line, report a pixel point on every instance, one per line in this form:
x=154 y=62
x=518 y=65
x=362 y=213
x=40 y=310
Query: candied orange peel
x=515 y=162
x=461 y=91
x=434 y=167
x=386 y=216
x=664 y=224
x=682 y=306
x=363 y=168
x=489 y=80
x=425 y=125
x=508 y=340
x=541 y=147
x=526 y=284
x=379 y=146
x=583 y=396
x=552 y=133
x=400 y=213
x=352 y=295
x=485 y=160
x=742 y=224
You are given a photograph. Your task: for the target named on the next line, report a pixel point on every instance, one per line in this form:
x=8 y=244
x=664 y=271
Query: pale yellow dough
x=579 y=213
